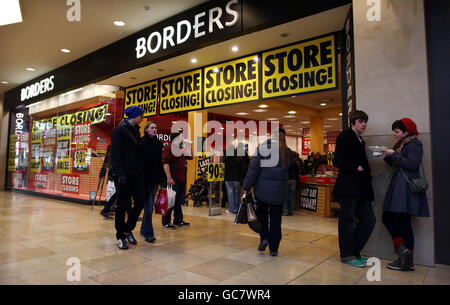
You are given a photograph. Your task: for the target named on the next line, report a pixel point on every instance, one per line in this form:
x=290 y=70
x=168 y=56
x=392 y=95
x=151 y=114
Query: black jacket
x=350 y=153
x=127 y=150
x=234 y=168
x=294 y=169
x=154 y=171
x=269 y=183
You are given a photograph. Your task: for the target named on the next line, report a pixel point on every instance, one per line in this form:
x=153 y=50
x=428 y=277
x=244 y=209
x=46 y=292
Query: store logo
x=374 y=12
x=37 y=88
x=171 y=35
x=19 y=123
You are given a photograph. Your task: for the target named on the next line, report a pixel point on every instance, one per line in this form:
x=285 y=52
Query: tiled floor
x=40 y=235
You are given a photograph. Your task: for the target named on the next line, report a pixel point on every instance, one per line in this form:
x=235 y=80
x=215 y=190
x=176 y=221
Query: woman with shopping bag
x=268 y=175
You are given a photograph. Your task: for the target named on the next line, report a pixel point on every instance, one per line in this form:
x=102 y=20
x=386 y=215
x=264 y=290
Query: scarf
x=399 y=145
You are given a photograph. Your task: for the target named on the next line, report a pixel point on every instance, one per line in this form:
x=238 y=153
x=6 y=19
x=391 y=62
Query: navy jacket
x=154 y=171
x=270 y=184
x=350 y=153
x=399 y=198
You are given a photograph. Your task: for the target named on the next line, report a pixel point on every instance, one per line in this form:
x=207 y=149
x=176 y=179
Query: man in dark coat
x=353 y=190
x=128 y=165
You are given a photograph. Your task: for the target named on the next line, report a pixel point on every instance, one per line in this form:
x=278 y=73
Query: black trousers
x=399 y=225
x=356 y=223
x=134 y=187
x=180 y=188
x=270 y=216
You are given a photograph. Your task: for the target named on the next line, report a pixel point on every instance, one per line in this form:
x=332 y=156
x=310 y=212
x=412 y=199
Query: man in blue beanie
x=128 y=165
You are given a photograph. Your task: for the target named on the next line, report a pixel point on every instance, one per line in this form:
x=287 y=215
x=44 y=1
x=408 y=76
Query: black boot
x=404 y=262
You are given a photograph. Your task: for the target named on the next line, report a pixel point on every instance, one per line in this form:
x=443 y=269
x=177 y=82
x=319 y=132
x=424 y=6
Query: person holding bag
x=270 y=185
x=401 y=202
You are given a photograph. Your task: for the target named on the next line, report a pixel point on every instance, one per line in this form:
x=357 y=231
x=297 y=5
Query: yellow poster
x=93 y=115
x=181 y=92
x=304 y=67
x=144 y=96
x=232 y=82
x=13 y=157
x=37 y=151
x=216 y=172
x=63 y=145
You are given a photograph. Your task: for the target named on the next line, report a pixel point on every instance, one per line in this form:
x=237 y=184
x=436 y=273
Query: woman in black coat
x=270 y=185
x=400 y=203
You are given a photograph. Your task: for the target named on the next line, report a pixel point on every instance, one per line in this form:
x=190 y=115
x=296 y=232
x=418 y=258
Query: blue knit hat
x=133 y=111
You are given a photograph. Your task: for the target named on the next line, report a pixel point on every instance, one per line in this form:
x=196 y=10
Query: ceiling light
x=259 y=110
x=272 y=119
x=34 y=104
x=333 y=119
x=119 y=23
x=284 y=34
x=65 y=50
x=293 y=96
x=72 y=92
x=255 y=59
x=234 y=49
x=216 y=70
x=4 y=82
x=30 y=69
x=263 y=106
x=242 y=113
x=194 y=60
x=10 y=12
x=323 y=104
x=340 y=114
x=289 y=116
x=327 y=126
x=287 y=126
x=306 y=122
x=292 y=112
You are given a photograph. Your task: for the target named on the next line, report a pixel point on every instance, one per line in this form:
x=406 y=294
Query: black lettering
x=146 y=93
x=311 y=53
x=228 y=79
x=309 y=79
x=325 y=51
x=270 y=65
x=209 y=79
x=240 y=71
x=295 y=60
x=294 y=82
x=281 y=57
x=321 y=77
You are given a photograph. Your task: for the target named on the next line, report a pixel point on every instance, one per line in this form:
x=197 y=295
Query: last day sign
x=300 y=68
x=232 y=82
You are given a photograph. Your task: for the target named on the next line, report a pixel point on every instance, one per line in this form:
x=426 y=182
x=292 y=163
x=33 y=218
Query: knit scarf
x=399 y=145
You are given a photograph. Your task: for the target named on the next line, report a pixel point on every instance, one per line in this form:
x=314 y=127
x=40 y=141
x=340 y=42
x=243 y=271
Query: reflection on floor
x=40 y=235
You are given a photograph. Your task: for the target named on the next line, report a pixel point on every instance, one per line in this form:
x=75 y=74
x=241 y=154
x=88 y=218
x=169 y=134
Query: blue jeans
x=233 y=188
x=147 y=226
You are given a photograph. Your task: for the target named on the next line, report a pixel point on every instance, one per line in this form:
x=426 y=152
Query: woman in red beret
x=400 y=203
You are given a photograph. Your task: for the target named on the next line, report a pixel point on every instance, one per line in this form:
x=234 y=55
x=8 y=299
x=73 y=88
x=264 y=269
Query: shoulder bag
x=416 y=185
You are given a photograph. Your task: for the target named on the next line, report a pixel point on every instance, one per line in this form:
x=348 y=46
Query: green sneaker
x=363 y=259
x=356 y=263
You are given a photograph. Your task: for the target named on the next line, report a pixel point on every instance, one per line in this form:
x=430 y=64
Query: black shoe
x=151 y=239
x=131 y=238
x=106 y=215
x=169 y=226
x=182 y=224
x=263 y=245
x=122 y=244
x=404 y=262
x=274 y=253
x=285 y=214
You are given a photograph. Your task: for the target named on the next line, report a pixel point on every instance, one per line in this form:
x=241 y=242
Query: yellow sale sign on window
x=300 y=68
x=144 y=96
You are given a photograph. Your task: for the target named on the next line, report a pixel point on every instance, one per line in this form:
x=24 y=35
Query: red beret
x=410 y=126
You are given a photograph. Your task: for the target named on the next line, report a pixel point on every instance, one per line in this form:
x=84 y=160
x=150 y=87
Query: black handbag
x=416 y=185
x=241 y=215
x=256 y=224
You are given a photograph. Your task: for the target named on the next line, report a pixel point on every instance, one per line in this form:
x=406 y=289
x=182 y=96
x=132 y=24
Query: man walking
x=353 y=190
x=128 y=165
x=175 y=170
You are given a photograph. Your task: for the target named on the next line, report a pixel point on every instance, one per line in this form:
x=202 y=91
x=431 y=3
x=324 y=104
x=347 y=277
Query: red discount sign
x=306 y=141
x=70 y=184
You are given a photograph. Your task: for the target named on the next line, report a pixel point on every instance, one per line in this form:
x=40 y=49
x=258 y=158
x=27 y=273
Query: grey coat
x=399 y=198
x=270 y=184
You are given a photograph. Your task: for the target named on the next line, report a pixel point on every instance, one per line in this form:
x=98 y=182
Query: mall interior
x=243 y=63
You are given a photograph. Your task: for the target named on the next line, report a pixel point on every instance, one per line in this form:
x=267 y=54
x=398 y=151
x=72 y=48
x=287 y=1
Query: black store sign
x=308 y=198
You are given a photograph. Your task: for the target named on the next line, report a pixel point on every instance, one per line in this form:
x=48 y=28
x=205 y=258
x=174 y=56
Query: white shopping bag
x=171 y=196
x=110 y=190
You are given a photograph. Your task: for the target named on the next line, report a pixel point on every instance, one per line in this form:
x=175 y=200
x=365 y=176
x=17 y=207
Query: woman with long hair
x=400 y=203
x=268 y=175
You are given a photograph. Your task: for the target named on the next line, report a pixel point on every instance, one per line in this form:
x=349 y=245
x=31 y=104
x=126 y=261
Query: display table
x=315 y=196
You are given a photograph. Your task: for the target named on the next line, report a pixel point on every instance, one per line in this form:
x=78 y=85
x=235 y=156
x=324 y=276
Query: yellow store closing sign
x=232 y=82
x=144 y=96
x=304 y=67
x=36 y=147
x=216 y=172
x=181 y=92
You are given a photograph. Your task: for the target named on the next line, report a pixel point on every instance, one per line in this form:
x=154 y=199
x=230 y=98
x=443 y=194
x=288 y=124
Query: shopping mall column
x=196 y=125
x=316 y=131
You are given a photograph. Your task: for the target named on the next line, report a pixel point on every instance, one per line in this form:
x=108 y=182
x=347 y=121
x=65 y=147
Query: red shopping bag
x=162 y=202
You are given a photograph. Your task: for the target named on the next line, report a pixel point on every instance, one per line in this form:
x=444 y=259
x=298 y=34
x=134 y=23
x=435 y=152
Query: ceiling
x=36 y=42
